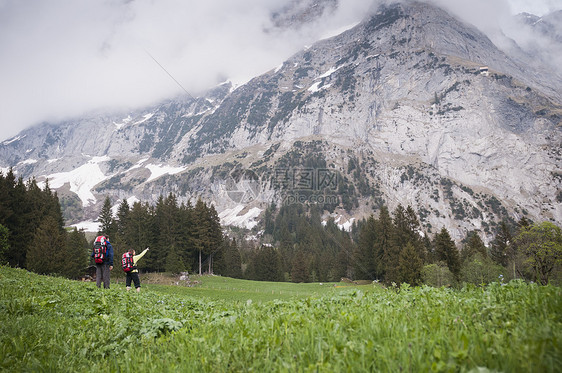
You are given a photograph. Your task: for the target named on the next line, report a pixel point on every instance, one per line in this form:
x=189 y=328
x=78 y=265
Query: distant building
x=484 y=71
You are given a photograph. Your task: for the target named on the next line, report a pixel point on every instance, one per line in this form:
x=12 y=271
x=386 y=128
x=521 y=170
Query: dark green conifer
x=410 y=265
x=473 y=246
x=446 y=251
x=365 y=257
x=106 y=219
x=300 y=271
x=500 y=245
x=386 y=251
x=77 y=254
x=47 y=252
x=232 y=259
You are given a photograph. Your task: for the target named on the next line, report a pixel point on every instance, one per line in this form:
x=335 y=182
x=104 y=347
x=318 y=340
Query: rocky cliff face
x=411 y=106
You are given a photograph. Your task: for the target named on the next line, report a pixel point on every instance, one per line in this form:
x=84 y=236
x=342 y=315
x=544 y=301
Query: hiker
x=133 y=272
x=103 y=257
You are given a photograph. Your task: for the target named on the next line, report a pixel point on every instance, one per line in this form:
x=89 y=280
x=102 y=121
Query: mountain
x=411 y=107
x=538 y=41
x=299 y=13
x=549 y=25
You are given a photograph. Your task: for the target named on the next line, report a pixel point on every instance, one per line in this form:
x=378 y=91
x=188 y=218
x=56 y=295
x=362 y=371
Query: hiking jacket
x=108 y=254
x=136 y=258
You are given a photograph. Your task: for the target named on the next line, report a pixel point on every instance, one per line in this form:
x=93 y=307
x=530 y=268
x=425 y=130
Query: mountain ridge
x=430 y=120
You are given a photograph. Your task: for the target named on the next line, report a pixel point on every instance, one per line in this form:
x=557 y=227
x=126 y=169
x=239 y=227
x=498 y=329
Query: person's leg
x=128 y=281
x=106 y=275
x=136 y=280
x=98 y=274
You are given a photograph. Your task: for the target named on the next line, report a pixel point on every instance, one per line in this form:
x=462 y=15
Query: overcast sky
x=65 y=58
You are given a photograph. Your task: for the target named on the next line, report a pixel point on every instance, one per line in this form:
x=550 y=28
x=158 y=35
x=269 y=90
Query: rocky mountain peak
x=411 y=107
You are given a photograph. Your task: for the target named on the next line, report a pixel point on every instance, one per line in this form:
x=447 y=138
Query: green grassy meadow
x=51 y=324
x=230 y=289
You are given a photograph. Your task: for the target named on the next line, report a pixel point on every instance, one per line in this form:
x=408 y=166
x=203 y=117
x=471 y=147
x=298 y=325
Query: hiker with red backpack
x=103 y=257
x=129 y=264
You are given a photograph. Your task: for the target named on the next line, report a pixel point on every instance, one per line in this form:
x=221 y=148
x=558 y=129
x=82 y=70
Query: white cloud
x=536 y=7
x=65 y=58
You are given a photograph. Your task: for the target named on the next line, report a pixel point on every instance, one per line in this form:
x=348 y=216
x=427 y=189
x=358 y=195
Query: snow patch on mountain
x=159 y=170
x=87 y=226
x=82 y=180
x=7 y=142
x=130 y=201
x=247 y=220
x=145 y=118
x=124 y=122
x=341 y=221
x=328 y=73
x=138 y=164
x=316 y=87
x=344 y=224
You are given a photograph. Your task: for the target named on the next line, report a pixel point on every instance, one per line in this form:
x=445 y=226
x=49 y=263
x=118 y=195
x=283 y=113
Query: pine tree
x=407 y=230
x=174 y=262
x=446 y=251
x=201 y=236
x=106 y=219
x=414 y=230
x=139 y=232
x=269 y=223
x=77 y=254
x=4 y=244
x=6 y=188
x=364 y=255
x=233 y=260
x=410 y=265
x=47 y=252
x=300 y=270
x=166 y=221
x=186 y=239
x=52 y=205
x=401 y=233
x=22 y=224
x=215 y=236
x=523 y=223
x=427 y=249
x=473 y=246
x=385 y=250
x=208 y=232
x=267 y=264
x=500 y=245
x=121 y=223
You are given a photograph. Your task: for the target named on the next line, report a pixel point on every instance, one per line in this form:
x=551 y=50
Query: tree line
x=32 y=233
x=181 y=237
x=393 y=249
x=295 y=244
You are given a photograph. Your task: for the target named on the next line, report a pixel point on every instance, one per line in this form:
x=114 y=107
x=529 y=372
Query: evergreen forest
x=294 y=243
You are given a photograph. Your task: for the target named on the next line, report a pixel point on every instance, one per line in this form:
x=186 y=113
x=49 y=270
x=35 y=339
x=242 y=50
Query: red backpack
x=100 y=249
x=127 y=262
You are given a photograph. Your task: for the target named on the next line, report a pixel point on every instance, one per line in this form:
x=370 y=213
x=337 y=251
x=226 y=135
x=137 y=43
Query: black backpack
x=127 y=262
x=100 y=249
